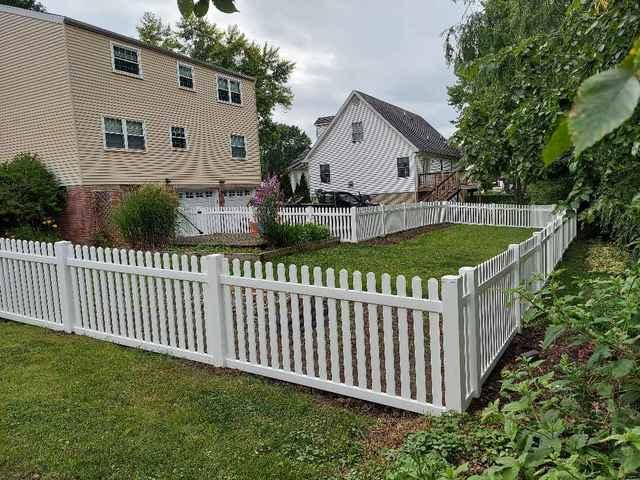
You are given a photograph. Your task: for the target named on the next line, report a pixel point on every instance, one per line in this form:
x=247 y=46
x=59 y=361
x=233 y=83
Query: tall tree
x=205 y=41
x=26 y=4
x=282 y=145
x=519 y=64
x=152 y=30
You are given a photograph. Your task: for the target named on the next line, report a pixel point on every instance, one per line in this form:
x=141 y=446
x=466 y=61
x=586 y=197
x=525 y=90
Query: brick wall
x=87 y=213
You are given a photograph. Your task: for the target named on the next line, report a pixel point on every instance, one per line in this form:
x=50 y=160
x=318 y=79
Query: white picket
x=163 y=304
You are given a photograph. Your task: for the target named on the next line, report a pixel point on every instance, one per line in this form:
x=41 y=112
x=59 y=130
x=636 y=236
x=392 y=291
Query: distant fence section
x=361 y=224
x=423 y=345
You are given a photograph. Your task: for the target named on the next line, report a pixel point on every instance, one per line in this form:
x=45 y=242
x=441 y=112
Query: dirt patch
x=227 y=239
x=530 y=339
x=395 y=238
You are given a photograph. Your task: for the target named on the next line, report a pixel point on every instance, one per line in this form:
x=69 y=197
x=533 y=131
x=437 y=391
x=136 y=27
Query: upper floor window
x=126 y=60
x=124 y=134
x=179 y=138
x=238 y=146
x=357 y=132
x=229 y=91
x=404 y=170
x=325 y=173
x=185 y=76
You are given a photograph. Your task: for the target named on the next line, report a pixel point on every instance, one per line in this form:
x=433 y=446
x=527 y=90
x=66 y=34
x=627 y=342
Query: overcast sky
x=391 y=49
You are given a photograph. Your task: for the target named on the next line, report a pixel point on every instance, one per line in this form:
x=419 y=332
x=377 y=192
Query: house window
x=179 y=137
x=185 y=76
x=124 y=134
x=325 y=173
x=238 y=146
x=229 y=91
x=126 y=60
x=404 y=170
x=357 y=132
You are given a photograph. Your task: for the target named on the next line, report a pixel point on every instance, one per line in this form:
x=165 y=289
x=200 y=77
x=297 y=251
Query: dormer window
x=357 y=132
x=185 y=76
x=229 y=91
x=126 y=60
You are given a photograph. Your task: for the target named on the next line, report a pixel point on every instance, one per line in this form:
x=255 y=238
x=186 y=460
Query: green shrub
x=549 y=191
x=573 y=416
x=27 y=232
x=30 y=194
x=281 y=235
x=302 y=190
x=492 y=197
x=147 y=218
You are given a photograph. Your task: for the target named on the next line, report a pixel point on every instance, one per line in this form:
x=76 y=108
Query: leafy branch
x=604 y=102
x=199 y=8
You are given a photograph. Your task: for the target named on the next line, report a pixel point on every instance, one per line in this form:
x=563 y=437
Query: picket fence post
x=470 y=275
x=354 y=225
x=453 y=344
x=404 y=215
x=212 y=266
x=309 y=212
x=63 y=252
x=443 y=211
x=384 y=226
x=517 y=310
x=539 y=259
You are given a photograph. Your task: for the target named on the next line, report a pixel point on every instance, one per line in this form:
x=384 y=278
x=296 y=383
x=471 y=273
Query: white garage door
x=237 y=198
x=195 y=200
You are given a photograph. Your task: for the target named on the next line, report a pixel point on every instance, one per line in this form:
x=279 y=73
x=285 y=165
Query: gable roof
x=324 y=120
x=412 y=126
x=53 y=18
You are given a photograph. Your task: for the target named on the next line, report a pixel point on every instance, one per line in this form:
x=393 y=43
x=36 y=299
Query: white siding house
x=366 y=149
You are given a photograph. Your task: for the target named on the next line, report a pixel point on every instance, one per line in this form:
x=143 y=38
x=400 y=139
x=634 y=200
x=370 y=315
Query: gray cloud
x=390 y=49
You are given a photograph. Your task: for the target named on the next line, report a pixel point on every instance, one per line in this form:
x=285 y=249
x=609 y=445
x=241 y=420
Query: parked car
x=337 y=199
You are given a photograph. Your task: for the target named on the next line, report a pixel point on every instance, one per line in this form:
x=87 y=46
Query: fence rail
x=361 y=224
x=423 y=346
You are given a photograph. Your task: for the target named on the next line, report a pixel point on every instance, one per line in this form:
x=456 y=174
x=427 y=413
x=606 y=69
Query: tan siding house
x=106 y=112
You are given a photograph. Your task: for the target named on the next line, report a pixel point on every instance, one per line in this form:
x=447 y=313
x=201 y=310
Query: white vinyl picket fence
x=361 y=224
x=420 y=346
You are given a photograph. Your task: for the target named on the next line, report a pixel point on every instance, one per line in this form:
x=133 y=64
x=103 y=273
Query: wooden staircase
x=442 y=186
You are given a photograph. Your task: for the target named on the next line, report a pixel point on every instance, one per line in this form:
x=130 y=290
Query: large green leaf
x=201 y=8
x=605 y=101
x=559 y=143
x=226 y=6
x=185 y=7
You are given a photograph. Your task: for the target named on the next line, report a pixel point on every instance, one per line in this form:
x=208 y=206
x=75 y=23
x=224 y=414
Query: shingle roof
x=324 y=120
x=300 y=161
x=413 y=127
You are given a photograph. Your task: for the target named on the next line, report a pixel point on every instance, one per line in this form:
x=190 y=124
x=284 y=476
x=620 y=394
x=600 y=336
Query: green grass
x=593 y=258
x=75 y=408
x=433 y=254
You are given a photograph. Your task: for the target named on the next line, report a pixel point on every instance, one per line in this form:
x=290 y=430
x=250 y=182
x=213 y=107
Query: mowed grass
x=75 y=408
x=429 y=255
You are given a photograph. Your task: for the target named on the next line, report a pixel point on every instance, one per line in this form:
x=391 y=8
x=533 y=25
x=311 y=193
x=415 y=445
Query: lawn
x=72 y=407
x=433 y=254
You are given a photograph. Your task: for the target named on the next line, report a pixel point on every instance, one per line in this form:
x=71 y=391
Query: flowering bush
x=266 y=201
